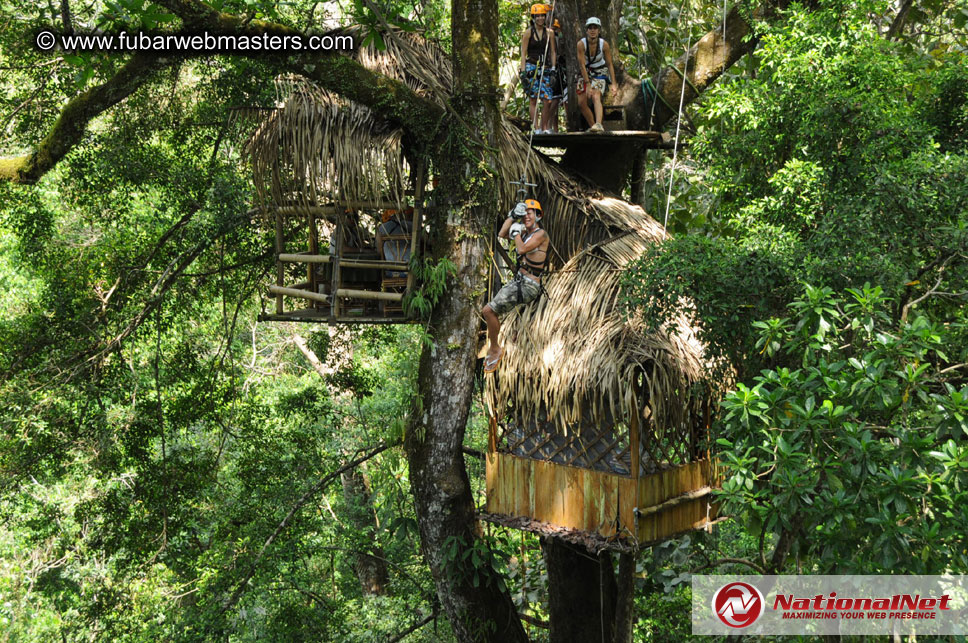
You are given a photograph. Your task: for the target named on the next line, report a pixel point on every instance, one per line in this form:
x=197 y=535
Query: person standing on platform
x=594 y=82
x=538 y=58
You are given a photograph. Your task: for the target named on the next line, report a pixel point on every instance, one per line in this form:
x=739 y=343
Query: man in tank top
x=595 y=79
x=538 y=58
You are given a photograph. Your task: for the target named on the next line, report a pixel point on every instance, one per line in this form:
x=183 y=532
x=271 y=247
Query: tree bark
x=370 y=567
x=472 y=594
x=581 y=593
x=702 y=65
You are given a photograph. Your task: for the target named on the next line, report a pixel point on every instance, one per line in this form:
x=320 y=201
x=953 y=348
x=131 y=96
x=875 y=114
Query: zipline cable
x=675 y=149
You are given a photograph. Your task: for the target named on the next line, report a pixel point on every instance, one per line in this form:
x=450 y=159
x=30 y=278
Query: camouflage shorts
x=508 y=296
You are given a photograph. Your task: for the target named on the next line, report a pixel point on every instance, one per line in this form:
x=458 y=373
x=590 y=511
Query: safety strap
x=649 y=95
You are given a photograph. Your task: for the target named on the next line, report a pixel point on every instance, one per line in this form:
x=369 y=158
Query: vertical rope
x=675 y=149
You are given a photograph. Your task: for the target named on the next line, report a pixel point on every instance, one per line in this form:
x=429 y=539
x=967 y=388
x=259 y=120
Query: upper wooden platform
x=653 y=140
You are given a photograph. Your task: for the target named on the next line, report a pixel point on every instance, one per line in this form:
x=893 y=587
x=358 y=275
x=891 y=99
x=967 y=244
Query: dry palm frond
x=319 y=148
x=570 y=356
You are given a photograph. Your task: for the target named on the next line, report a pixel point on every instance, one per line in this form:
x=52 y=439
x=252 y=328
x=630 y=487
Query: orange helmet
x=557 y=24
x=388 y=214
x=532 y=204
x=539 y=9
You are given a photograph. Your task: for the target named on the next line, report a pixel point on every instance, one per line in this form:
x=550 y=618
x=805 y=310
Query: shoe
x=490 y=364
x=597 y=127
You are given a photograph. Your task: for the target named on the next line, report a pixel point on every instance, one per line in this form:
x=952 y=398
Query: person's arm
x=536 y=240
x=581 y=61
x=503 y=234
x=611 y=69
x=525 y=38
x=554 y=47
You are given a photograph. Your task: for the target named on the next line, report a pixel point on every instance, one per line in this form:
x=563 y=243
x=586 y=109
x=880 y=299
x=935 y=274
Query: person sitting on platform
x=394 y=249
x=593 y=82
x=538 y=58
x=531 y=246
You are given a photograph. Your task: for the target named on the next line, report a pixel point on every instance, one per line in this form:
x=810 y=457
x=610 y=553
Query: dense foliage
x=171 y=469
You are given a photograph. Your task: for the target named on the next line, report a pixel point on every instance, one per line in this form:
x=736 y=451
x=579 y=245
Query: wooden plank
x=627 y=495
x=573 y=513
x=491 y=465
x=610 y=506
x=543 y=491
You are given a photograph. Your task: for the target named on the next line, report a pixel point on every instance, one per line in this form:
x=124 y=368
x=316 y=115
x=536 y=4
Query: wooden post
x=634 y=440
x=334 y=254
x=492 y=435
x=313 y=249
x=280 y=270
x=417 y=217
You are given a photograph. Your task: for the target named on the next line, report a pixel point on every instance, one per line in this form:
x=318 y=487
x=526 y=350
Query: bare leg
x=599 y=111
x=493 y=328
x=534 y=108
x=546 y=114
x=583 y=106
x=554 y=115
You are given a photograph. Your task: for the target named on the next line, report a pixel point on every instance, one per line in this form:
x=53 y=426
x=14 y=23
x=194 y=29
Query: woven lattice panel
x=606 y=449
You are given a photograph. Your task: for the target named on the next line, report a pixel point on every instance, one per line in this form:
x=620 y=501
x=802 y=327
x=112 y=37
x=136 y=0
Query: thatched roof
x=570 y=353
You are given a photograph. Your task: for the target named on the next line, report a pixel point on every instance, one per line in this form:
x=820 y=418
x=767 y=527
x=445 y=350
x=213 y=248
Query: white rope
x=675 y=150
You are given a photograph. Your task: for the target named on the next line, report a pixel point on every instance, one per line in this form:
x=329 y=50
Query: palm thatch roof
x=571 y=353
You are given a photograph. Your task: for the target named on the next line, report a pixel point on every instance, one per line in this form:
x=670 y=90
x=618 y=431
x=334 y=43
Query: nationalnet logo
x=797 y=605
x=738 y=604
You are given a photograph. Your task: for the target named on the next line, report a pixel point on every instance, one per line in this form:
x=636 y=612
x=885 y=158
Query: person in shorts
x=594 y=80
x=531 y=246
x=538 y=58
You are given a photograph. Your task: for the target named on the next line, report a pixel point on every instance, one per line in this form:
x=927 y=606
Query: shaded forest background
x=171 y=469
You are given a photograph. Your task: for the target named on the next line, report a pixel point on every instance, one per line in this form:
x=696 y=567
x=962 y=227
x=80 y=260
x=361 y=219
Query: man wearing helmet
x=531 y=247
x=538 y=58
x=593 y=82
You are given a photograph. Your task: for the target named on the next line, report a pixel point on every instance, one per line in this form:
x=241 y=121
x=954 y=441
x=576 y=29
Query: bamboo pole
x=279 y=291
x=369 y=294
x=349 y=263
x=326 y=210
x=304 y=258
x=675 y=502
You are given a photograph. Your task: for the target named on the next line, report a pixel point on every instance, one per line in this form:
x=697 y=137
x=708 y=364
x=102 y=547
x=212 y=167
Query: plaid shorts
x=507 y=297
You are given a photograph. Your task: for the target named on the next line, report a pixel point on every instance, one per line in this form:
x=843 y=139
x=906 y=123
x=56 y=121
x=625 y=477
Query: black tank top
x=536 y=47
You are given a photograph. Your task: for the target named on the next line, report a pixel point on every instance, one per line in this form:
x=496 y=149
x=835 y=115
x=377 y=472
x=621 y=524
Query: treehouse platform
x=649 y=140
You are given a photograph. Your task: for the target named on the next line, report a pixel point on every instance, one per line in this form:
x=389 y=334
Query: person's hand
x=519 y=211
x=516 y=229
x=614 y=90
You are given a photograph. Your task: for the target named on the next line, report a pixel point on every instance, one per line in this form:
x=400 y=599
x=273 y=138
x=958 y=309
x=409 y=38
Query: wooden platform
x=650 y=509
x=654 y=140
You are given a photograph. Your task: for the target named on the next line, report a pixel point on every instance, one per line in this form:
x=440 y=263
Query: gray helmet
x=593 y=21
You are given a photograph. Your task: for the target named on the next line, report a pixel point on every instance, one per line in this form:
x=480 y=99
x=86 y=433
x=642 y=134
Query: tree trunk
x=471 y=593
x=705 y=62
x=581 y=593
x=370 y=566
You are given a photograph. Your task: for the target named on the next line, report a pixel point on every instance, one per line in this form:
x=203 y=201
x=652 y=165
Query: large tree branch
x=74 y=117
x=387 y=98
